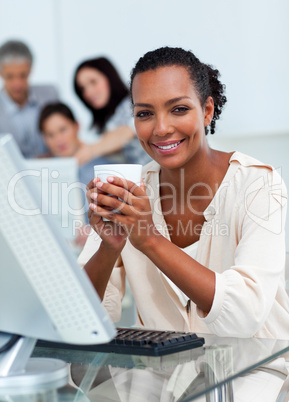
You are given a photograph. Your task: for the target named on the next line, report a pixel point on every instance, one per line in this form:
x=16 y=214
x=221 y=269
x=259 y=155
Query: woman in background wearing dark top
x=100 y=88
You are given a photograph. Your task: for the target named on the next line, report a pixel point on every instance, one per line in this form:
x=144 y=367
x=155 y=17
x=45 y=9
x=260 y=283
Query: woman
x=202 y=240
x=100 y=88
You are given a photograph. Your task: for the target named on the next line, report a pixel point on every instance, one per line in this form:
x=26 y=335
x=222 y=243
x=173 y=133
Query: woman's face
x=169 y=119
x=60 y=135
x=94 y=86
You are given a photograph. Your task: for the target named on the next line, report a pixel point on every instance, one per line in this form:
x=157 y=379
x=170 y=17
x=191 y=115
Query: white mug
x=131 y=172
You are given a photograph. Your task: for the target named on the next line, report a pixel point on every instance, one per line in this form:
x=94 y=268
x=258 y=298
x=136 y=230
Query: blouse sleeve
x=90 y=248
x=246 y=292
x=115 y=289
x=114 y=292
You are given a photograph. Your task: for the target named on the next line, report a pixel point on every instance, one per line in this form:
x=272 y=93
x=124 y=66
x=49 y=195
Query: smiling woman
x=201 y=241
x=168 y=124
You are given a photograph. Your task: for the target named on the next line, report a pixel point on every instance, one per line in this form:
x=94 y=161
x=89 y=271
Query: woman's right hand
x=113 y=236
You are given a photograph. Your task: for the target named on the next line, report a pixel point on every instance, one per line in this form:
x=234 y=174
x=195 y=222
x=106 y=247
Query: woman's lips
x=168 y=146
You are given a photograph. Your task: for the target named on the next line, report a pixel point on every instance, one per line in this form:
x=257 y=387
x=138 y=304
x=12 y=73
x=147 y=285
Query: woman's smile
x=167 y=147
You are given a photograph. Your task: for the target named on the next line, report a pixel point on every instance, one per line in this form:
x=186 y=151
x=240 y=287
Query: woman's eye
x=143 y=114
x=181 y=109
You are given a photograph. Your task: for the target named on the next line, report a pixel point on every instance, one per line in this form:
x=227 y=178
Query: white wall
x=247 y=41
x=34 y=22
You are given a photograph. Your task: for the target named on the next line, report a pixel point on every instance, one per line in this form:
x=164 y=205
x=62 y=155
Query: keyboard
x=138 y=342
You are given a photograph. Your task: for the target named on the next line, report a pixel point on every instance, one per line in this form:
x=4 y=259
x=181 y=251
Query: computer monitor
x=44 y=294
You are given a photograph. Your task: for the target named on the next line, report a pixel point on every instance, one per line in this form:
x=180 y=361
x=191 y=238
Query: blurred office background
x=247 y=41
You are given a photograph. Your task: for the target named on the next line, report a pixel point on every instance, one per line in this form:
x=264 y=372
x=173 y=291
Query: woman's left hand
x=130 y=209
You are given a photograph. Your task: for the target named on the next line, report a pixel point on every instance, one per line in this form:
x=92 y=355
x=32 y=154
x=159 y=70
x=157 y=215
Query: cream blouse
x=242 y=241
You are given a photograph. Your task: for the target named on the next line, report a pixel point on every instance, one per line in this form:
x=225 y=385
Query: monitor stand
x=20 y=373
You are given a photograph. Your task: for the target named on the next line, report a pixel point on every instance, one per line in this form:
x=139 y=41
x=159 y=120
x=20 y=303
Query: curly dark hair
x=204 y=76
x=118 y=90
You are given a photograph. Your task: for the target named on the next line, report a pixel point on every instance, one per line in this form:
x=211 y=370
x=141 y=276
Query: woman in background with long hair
x=99 y=86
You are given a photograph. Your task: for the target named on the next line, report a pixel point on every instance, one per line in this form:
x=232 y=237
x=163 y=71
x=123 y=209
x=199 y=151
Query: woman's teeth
x=169 y=146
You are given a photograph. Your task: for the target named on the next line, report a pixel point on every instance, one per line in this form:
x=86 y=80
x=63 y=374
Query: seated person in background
x=204 y=248
x=100 y=88
x=59 y=130
x=20 y=103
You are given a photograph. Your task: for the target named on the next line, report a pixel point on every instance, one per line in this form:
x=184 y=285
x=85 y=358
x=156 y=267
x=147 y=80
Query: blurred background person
x=59 y=129
x=100 y=88
x=20 y=103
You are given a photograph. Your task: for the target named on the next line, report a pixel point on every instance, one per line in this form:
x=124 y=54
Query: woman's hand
x=112 y=235
x=126 y=206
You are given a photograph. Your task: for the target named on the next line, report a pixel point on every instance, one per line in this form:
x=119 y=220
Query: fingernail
x=99 y=184
x=92 y=206
x=93 y=196
x=109 y=179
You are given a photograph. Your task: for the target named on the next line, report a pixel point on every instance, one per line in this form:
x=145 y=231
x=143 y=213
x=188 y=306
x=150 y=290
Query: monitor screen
x=60 y=192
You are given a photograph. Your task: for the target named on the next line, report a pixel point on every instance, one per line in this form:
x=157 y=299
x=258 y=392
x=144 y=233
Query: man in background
x=20 y=103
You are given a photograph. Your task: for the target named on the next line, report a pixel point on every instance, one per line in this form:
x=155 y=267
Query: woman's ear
x=208 y=111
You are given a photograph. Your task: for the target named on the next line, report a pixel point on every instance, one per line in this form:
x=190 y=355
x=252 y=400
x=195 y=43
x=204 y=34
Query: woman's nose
x=162 y=127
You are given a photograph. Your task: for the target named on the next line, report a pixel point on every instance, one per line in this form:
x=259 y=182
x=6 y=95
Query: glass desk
x=209 y=373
